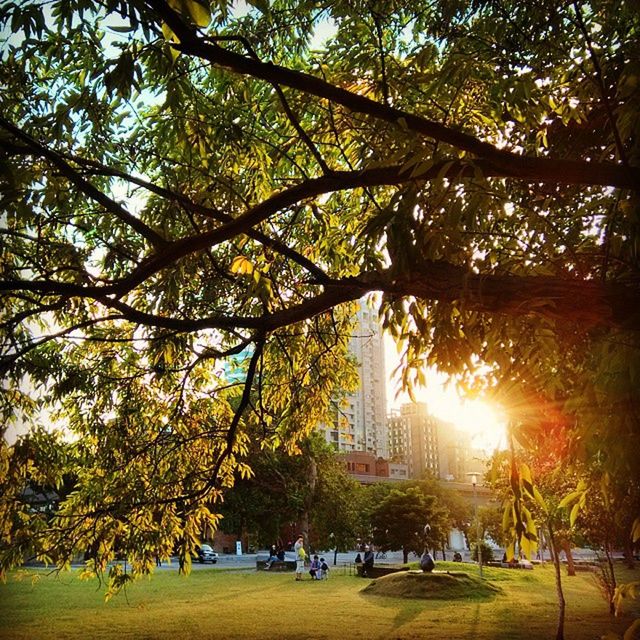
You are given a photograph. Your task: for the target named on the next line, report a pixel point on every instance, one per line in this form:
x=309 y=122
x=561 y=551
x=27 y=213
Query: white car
x=207 y=554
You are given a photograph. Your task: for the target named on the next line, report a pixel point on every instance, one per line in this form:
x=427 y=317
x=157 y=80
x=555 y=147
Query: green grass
x=258 y=605
x=432 y=586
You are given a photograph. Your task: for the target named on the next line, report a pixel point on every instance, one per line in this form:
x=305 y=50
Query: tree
x=185 y=184
x=312 y=491
x=336 y=503
x=490 y=517
x=459 y=510
x=399 y=520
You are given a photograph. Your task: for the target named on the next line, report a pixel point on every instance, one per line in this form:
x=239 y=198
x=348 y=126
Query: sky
x=479 y=418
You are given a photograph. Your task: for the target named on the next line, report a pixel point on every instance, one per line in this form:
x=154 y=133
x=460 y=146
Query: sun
x=483 y=422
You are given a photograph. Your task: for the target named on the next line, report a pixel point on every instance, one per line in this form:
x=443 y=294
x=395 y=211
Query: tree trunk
x=335 y=556
x=312 y=480
x=571 y=567
x=541 y=543
x=405 y=555
x=628 y=554
x=555 y=555
x=612 y=578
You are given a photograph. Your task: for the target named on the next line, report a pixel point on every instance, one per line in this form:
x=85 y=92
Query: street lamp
x=474 y=481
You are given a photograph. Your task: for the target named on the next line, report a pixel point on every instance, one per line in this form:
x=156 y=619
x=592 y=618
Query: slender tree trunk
x=405 y=555
x=335 y=556
x=312 y=480
x=612 y=578
x=541 y=544
x=555 y=555
x=571 y=567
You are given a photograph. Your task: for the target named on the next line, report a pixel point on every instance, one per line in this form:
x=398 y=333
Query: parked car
x=207 y=554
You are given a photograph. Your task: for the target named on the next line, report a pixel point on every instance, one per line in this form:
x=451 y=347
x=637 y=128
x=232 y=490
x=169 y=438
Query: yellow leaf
x=511 y=551
x=539 y=499
x=507 y=517
x=168 y=33
x=241 y=265
x=635 y=530
x=199 y=12
x=568 y=499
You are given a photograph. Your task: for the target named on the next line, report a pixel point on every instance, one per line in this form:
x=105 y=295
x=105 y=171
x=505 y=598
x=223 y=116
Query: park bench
x=377 y=571
x=278 y=565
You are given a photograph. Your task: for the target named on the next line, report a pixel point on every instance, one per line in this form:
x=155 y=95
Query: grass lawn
x=258 y=605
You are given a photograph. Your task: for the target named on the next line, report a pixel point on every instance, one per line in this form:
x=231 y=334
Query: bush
x=486 y=550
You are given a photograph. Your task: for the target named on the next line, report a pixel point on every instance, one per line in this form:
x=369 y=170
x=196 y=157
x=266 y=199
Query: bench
x=515 y=565
x=278 y=565
x=377 y=571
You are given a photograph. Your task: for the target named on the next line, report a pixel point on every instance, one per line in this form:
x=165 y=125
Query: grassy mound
x=433 y=586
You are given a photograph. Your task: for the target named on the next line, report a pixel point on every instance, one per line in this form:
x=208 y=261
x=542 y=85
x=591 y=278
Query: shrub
x=486 y=550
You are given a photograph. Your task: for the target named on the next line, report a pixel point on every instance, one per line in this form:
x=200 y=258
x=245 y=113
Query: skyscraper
x=360 y=422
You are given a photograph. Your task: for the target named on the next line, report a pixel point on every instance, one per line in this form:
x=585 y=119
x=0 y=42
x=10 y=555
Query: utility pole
x=474 y=481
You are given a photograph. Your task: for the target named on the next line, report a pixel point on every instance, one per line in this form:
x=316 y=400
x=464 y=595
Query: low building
x=367 y=468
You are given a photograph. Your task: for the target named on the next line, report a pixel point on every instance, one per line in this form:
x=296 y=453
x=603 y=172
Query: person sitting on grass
x=314 y=568
x=323 y=573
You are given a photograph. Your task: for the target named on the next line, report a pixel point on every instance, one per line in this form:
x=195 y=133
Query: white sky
x=484 y=422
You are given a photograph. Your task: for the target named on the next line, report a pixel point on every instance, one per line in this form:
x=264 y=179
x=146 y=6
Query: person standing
x=301 y=556
x=367 y=561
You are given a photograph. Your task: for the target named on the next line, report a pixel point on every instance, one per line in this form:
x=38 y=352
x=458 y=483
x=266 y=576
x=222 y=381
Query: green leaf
x=574 y=513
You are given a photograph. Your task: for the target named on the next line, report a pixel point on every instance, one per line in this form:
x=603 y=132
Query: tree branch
x=156 y=240
x=510 y=164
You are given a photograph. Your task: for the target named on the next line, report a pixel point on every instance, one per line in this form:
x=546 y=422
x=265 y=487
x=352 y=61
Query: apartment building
x=359 y=420
x=428 y=444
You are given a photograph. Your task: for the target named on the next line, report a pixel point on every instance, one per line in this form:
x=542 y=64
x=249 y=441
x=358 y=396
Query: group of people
x=276 y=554
x=318 y=569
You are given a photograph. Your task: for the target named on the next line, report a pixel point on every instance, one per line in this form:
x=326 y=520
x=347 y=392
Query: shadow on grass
x=409 y=592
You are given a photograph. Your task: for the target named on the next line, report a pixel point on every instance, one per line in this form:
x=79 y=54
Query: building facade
x=428 y=444
x=359 y=422
x=367 y=469
x=413 y=439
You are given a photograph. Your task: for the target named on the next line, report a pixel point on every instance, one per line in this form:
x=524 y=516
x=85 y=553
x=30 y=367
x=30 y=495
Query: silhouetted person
x=367 y=561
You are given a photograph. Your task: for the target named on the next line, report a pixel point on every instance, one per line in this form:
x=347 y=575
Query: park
x=318 y=276
x=245 y=604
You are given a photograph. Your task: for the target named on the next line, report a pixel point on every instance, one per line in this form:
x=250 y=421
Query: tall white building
x=360 y=418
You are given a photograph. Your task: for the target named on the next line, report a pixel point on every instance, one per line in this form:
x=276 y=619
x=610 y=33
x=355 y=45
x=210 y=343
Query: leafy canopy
x=193 y=195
